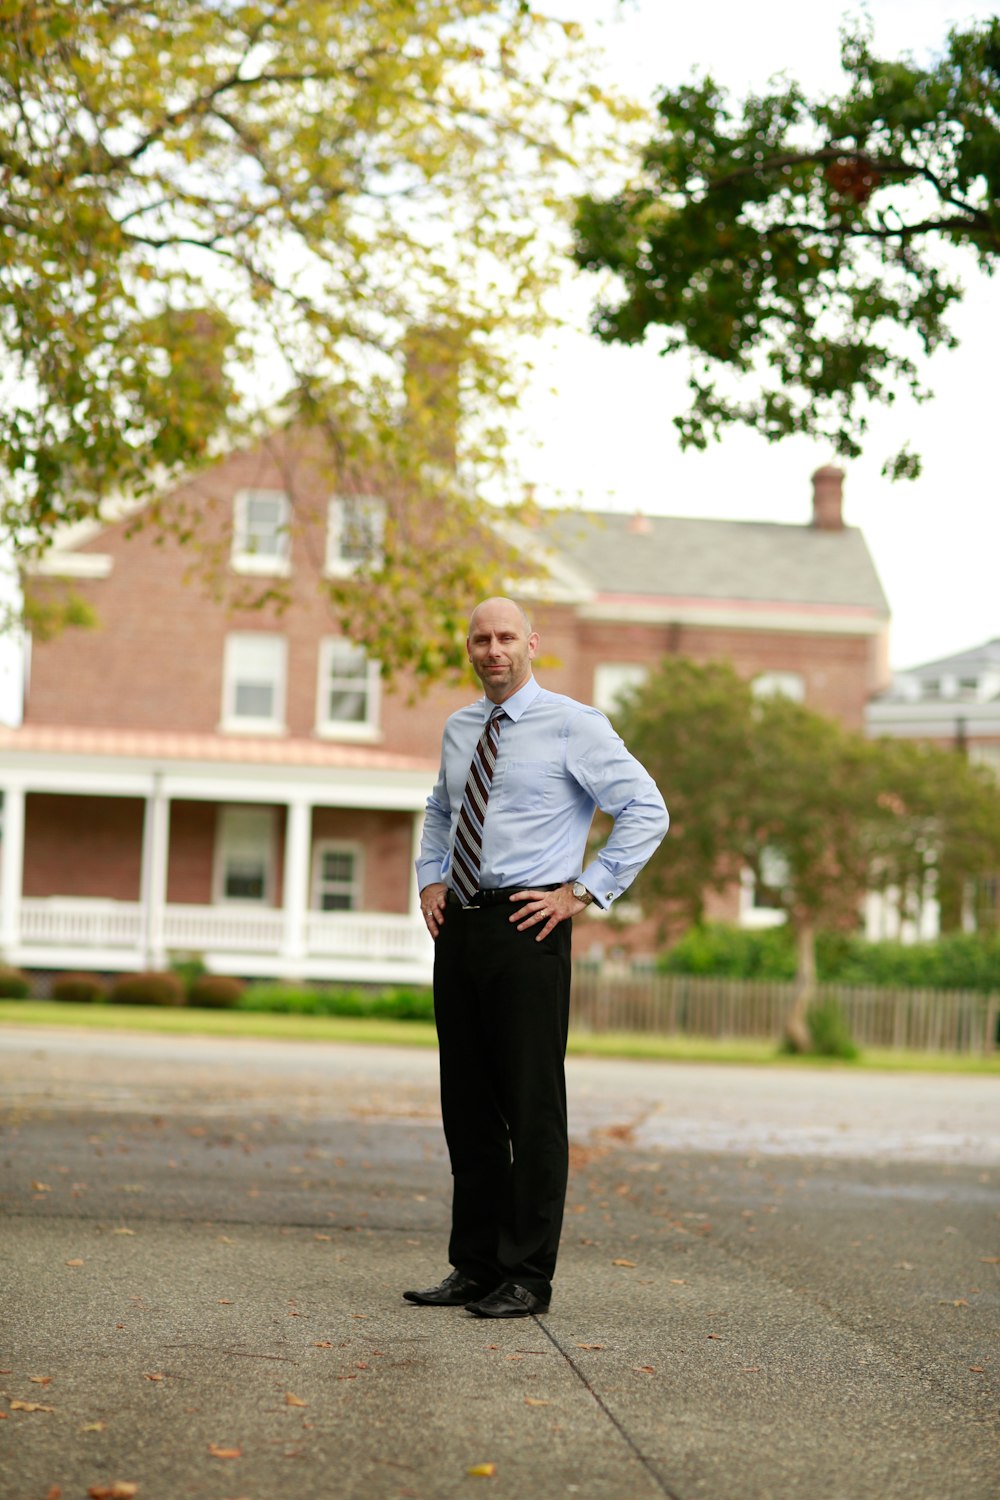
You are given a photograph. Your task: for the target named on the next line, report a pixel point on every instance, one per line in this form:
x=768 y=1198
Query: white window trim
x=337 y=846
x=340 y=729
x=259 y=564
x=219 y=897
x=780 y=683
x=613 y=679
x=233 y=723
x=342 y=567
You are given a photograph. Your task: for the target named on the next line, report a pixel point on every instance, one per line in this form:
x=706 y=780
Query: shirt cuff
x=600 y=885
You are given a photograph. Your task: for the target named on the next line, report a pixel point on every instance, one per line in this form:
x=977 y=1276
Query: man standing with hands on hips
x=501 y=872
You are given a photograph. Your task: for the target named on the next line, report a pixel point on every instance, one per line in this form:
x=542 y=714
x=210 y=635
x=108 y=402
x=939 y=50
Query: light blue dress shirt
x=558 y=761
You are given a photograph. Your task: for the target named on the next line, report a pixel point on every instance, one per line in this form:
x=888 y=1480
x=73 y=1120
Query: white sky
x=596 y=422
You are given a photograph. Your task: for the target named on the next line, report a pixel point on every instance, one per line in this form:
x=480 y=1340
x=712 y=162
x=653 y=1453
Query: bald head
x=501 y=644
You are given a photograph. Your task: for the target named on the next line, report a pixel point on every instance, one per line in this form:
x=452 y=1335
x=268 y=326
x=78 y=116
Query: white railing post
x=11 y=869
x=298 y=829
x=153 y=894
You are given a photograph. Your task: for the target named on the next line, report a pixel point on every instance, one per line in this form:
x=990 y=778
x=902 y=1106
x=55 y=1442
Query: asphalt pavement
x=772 y=1284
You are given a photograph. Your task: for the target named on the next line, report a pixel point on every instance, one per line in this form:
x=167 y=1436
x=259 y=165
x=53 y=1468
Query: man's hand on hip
x=432 y=899
x=548 y=907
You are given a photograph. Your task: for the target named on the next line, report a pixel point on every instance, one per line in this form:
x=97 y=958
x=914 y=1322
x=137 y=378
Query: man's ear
x=532 y=645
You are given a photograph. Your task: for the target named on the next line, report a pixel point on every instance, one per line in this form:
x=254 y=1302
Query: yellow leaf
x=623 y=1262
x=74 y=1263
x=590 y=1346
x=322 y=1344
x=93 y=1427
x=40 y=1187
x=645 y=1369
x=534 y=1401
x=29 y=1406
x=291 y=1400
x=217 y=1452
x=123 y=1231
x=154 y=1377
x=120 y=1489
x=482 y=1471
x=40 y=1379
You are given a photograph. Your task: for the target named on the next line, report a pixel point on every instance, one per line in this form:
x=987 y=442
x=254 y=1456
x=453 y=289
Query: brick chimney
x=828 y=498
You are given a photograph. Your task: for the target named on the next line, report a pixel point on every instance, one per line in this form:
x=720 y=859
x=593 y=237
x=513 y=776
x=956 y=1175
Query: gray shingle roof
x=681 y=557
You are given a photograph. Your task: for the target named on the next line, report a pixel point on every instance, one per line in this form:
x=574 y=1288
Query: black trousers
x=501 y=1002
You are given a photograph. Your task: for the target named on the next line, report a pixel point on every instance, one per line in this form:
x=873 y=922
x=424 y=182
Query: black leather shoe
x=454 y=1291
x=508 y=1301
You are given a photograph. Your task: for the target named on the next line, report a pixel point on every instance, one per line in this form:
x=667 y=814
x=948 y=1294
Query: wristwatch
x=581 y=893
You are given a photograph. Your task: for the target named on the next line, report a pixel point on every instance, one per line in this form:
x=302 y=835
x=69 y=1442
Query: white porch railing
x=81 y=926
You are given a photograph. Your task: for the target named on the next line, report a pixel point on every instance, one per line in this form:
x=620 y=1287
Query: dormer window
x=355 y=534
x=260 y=532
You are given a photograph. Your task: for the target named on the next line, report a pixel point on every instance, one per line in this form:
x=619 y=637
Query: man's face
x=500 y=649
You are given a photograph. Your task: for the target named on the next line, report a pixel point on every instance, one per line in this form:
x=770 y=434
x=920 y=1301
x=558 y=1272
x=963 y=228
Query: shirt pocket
x=527 y=785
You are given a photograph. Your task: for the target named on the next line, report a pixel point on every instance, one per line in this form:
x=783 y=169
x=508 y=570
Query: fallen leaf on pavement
x=74 y=1262
x=715 y=1336
x=40 y=1379
x=534 y=1401
x=322 y=1344
x=978 y=1369
x=989 y=1260
x=121 y=1489
x=645 y=1369
x=29 y=1406
x=123 y=1231
x=93 y=1427
x=40 y=1187
x=154 y=1377
x=482 y=1471
x=291 y=1400
x=217 y=1452
x=590 y=1346
x=55 y=1493
x=623 y=1263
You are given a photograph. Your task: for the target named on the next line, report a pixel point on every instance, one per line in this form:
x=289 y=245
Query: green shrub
x=79 y=989
x=13 y=984
x=956 y=961
x=215 y=991
x=147 y=989
x=188 y=968
x=831 y=1036
x=312 y=1000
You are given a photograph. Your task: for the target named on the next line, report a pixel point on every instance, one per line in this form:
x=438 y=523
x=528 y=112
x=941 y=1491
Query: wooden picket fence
x=688 y=1005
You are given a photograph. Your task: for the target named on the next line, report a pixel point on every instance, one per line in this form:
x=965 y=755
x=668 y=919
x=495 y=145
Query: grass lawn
x=421 y=1034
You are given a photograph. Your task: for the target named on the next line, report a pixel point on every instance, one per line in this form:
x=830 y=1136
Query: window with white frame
x=613 y=680
x=355 y=534
x=260 y=532
x=780 y=685
x=349 y=690
x=244 y=856
x=336 y=883
x=253 y=693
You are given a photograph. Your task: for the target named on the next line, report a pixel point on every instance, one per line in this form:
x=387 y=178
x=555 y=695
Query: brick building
x=196 y=776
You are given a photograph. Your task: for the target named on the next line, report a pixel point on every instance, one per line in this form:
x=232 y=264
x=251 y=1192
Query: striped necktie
x=468 y=849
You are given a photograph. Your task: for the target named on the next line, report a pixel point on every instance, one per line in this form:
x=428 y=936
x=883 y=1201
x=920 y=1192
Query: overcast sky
x=596 y=426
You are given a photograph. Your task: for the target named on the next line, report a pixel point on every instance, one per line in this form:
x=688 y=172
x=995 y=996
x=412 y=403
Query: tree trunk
x=797 y=1037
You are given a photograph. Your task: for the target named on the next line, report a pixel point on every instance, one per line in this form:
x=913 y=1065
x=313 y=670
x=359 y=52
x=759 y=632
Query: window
x=355 y=534
x=349 y=691
x=613 y=679
x=260 y=532
x=244 y=856
x=336 y=877
x=254 y=683
x=760 y=900
x=931 y=687
x=779 y=685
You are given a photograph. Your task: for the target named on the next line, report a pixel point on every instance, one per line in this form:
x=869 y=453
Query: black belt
x=494 y=897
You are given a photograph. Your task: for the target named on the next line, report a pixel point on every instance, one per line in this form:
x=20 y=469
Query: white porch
x=281 y=938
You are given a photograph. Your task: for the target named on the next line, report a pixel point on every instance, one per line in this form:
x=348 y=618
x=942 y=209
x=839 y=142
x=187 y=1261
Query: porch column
x=298 y=831
x=418 y=828
x=11 y=868
x=153 y=892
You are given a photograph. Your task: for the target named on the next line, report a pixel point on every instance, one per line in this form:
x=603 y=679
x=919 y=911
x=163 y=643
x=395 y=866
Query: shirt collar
x=515 y=705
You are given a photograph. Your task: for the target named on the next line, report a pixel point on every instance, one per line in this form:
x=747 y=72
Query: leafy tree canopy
x=793 y=246
x=213 y=210
x=816 y=812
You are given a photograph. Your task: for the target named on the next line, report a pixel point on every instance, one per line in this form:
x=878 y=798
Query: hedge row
x=956 y=961
x=190 y=985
